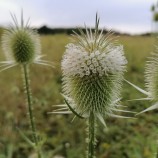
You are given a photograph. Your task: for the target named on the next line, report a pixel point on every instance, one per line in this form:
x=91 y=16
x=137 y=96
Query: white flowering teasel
x=93 y=69
x=151 y=81
x=151 y=76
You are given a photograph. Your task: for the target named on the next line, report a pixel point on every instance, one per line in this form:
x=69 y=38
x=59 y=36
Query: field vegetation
x=124 y=138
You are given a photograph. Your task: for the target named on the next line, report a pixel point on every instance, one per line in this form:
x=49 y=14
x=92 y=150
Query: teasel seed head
x=93 y=68
x=151 y=76
x=21 y=45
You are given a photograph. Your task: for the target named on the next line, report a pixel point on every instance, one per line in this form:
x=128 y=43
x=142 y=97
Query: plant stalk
x=91 y=136
x=30 y=108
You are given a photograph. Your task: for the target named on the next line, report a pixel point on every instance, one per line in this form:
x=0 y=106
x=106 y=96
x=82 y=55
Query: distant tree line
x=68 y=31
x=44 y=30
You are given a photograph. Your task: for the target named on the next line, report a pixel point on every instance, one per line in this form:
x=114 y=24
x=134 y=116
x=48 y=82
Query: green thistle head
x=93 y=69
x=20 y=43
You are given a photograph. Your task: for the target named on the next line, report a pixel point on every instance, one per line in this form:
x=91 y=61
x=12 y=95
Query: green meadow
x=124 y=138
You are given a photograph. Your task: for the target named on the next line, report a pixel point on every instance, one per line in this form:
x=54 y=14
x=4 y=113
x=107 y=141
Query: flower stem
x=91 y=136
x=30 y=108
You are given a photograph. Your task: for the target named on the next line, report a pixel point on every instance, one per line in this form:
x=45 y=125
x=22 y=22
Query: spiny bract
x=93 y=69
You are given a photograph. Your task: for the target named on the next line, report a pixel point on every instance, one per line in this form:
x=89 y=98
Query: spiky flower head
x=93 y=68
x=151 y=82
x=151 y=76
x=21 y=45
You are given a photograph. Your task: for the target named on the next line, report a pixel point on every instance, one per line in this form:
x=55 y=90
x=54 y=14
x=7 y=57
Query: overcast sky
x=131 y=16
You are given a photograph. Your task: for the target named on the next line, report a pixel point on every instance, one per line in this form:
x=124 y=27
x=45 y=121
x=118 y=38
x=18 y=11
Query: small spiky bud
x=93 y=69
x=21 y=44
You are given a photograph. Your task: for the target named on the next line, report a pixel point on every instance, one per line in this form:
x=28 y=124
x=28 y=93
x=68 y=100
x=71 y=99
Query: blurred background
x=136 y=24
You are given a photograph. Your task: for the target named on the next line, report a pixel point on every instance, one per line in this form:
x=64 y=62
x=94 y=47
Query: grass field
x=124 y=138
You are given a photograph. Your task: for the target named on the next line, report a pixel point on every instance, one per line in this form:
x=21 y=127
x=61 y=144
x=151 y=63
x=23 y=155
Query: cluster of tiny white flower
x=77 y=61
